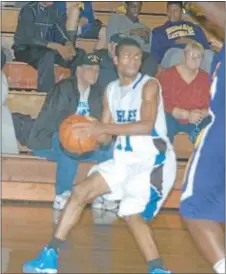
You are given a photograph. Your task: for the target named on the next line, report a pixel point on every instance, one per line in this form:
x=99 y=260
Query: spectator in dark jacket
x=33 y=42
x=108 y=72
x=79 y=95
x=80 y=21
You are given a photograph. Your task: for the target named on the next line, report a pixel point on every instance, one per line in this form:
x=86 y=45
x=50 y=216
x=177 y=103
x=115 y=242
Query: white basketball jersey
x=125 y=106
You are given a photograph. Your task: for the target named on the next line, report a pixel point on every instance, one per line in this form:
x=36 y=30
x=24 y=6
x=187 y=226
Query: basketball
x=72 y=139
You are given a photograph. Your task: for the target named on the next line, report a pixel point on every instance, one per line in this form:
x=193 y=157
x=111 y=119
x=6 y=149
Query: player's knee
x=83 y=193
x=130 y=219
x=80 y=194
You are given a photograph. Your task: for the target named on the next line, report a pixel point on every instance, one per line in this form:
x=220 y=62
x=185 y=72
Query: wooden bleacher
x=21 y=75
x=153 y=15
x=9 y=26
x=149 y=7
x=31 y=103
x=87 y=44
x=29 y=178
x=17 y=80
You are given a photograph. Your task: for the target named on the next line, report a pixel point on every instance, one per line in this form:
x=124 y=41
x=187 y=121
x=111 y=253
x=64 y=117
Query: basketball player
x=203 y=198
x=143 y=169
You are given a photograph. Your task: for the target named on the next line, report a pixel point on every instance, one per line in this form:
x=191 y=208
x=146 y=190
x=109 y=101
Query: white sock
x=219 y=267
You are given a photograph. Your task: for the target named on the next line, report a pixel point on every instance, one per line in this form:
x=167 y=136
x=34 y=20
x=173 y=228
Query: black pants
x=43 y=60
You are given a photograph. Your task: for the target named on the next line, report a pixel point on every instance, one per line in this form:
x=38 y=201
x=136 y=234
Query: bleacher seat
x=29 y=178
x=22 y=76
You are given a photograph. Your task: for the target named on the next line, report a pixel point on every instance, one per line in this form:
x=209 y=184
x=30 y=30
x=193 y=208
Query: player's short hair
x=194 y=45
x=178 y=3
x=126 y=42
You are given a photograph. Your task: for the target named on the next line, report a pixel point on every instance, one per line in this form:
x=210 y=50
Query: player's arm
x=148 y=114
x=106 y=118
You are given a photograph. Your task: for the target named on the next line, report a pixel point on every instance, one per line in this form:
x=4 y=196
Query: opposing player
x=203 y=198
x=143 y=169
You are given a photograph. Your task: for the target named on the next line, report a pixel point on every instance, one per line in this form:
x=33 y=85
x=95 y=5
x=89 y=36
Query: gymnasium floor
x=94 y=248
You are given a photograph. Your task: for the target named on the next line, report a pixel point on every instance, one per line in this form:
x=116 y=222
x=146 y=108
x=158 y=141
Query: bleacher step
x=29 y=178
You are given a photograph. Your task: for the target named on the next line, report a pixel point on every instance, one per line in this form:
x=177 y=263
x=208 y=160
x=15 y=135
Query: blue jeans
x=174 y=127
x=67 y=164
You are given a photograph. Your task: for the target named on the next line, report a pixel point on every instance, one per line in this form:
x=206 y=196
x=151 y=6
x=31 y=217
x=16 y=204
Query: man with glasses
x=186 y=94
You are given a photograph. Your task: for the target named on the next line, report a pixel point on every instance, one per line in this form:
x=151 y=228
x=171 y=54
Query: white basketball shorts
x=140 y=187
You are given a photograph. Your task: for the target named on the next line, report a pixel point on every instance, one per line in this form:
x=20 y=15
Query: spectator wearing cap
x=108 y=72
x=34 y=42
x=9 y=142
x=128 y=24
x=75 y=95
x=169 y=40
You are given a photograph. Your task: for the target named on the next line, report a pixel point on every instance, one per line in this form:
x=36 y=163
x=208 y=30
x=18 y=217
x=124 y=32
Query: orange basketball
x=72 y=139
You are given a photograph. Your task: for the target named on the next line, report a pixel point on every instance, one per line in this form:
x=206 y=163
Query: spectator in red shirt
x=186 y=94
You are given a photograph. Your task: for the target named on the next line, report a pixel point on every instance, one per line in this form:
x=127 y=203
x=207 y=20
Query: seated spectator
x=78 y=94
x=169 y=39
x=9 y=142
x=33 y=42
x=80 y=21
x=128 y=24
x=186 y=94
x=108 y=72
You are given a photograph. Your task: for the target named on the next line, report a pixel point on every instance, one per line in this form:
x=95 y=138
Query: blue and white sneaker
x=160 y=271
x=46 y=262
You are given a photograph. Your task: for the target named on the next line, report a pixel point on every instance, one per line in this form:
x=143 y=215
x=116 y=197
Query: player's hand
x=92 y=128
x=104 y=139
x=195 y=116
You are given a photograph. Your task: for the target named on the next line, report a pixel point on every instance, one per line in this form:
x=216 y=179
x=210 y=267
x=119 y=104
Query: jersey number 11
x=127 y=146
